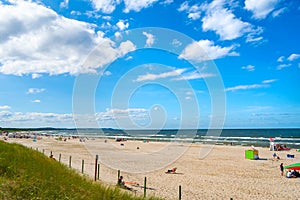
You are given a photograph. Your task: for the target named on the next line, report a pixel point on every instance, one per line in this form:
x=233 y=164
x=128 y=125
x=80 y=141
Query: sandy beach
x=223 y=174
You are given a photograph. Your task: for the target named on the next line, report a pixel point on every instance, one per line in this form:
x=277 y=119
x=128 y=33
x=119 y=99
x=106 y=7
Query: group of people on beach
x=292 y=174
x=289 y=173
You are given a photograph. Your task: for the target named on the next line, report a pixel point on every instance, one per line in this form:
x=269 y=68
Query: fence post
x=70 y=161
x=82 y=166
x=145 y=187
x=98 y=171
x=59 y=158
x=118 y=175
x=179 y=192
x=96 y=163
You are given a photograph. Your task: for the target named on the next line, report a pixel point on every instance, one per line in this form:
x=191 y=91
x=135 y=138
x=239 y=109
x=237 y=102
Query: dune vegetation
x=28 y=174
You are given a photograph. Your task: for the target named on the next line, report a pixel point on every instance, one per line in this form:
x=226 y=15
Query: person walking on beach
x=281 y=169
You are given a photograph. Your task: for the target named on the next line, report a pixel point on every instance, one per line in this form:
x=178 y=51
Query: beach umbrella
x=295 y=166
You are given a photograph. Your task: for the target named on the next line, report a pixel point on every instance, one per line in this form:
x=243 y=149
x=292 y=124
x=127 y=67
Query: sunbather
x=173 y=170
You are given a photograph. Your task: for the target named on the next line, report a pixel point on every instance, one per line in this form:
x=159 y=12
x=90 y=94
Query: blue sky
x=150 y=63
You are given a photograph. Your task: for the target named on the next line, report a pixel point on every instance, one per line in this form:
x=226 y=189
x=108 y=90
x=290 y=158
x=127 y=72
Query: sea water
x=245 y=137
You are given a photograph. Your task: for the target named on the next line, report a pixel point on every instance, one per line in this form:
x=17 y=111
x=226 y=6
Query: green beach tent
x=251 y=154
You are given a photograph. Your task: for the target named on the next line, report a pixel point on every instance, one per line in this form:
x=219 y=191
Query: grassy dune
x=28 y=174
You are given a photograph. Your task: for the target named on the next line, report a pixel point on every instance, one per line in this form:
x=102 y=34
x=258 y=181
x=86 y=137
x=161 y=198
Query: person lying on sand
x=173 y=170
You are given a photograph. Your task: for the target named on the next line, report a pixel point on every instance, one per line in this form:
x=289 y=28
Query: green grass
x=28 y=174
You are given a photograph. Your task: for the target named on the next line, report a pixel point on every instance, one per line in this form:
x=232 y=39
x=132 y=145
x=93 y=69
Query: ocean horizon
x=245 y=137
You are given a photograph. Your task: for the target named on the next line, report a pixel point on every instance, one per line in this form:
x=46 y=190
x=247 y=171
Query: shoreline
x=223 y=174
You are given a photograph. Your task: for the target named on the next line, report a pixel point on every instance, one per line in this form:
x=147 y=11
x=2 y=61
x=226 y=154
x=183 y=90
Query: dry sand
x=223 y=174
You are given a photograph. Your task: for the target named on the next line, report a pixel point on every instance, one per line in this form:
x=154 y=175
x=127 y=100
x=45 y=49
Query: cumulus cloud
x=206 y=50
x=42 y=42
x=150 y=39
x=249 y=68
x=261 y=8
x=194 y=11
x=122 y=25
x=108 y=6
x=40 y=119
x=45 y=42
x=221 y=20
x=137 y=5
x=293 y=57
x=5 y=107
x=35 y=119
x=35 y=90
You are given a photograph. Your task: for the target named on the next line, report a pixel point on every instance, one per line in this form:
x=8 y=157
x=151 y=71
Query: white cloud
x=194 y=11
x=5 y=107
x=118 y=35
x=280 y=59
x=264 y=84
x=44 y=42
x=38 y=119
x=279 y=12
x=246 y=87
x=150 y=39
x=176 y=43
x=109 y=6
x=223 y=21
x=129 y=58
x=206 y=50
x=35 y=119
x=34 y=76
x=137 y=5
x=106 y=6
x=184 y=7
x=269 y=81
x=166 y=2
x=36 y=101
x=293 y=57
x=122 y=25
x=35 y=90
x=151 y=77
x=282 y=66
x=194 y=75
x=106 y=53
x=261 y=8
x=64 y=4
x=254 y=35
x=41 y=42
x=249 y=68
